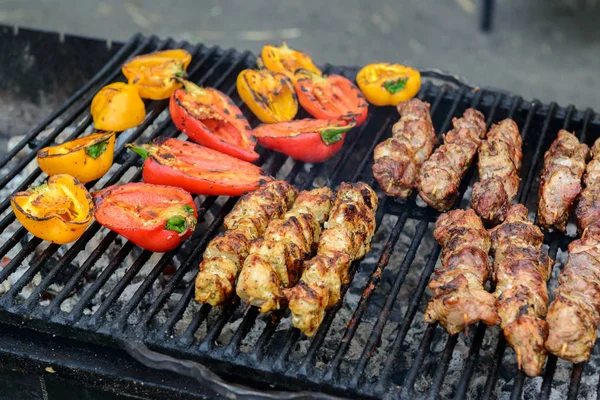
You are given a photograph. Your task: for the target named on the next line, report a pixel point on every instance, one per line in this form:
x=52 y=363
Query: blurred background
x=546 y=49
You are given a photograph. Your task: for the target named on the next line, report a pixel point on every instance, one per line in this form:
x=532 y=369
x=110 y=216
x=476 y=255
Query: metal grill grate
x=373 y=343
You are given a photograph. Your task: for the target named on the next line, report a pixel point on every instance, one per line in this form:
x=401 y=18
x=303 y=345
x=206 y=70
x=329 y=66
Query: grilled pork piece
x=459 y=298
x=499 y=165
x=347 y=237
x=521 y=271
x=275 y=260
x=398 y=159
x=588 y=205
x=560 y=182
x=226 y=253
x=439 y=177
x=574 y=315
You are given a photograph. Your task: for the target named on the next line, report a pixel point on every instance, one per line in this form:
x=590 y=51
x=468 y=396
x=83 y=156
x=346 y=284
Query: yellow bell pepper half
x=117 y=107
x=386 y=84
x=86 y=159
x=270 y=95
x=58 y=211
x=287 y=61
x=153 y=74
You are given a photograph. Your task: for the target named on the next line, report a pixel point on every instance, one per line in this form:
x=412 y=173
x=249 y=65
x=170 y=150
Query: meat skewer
x=275 y=260
x=439 y=177
x=560 y=181
x=521 y=271
x=225 y=254
x=459 y=297
x=347 y=237
x=399 y=158
x=588 y=206
x=500 y=157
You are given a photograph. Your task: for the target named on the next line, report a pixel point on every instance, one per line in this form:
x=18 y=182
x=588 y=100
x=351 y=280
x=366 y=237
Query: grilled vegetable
x=330 y=97
x=197 y=169
x=440 y=176
x=521 y=271
x=347 y=237
x=286 y=61
x=117 y=107
x=225 y=254
x=397 y=160
x=154 y=217
x=58 y=211
x=499 y=165
x=275 y=260
x=86 y=159
x=152 y=74
x=459 y=297
x=308 y=140
x=270 y=95
x=560 y=180
x=211 y=118
x=386 y=84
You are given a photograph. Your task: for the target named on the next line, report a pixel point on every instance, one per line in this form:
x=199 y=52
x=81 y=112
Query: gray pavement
x=546 y=49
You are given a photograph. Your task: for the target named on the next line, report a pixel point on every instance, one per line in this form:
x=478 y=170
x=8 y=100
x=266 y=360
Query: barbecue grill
x=79 y=308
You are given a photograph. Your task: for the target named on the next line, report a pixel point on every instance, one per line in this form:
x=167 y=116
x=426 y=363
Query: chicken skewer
x=459 y=297
x=439 y=177
x=521 y=271
x=500 y=157
x=275 y=260
x=588 y=205
x=347 y=237
x=560 y=181
x=399 y=158
x=225 y=254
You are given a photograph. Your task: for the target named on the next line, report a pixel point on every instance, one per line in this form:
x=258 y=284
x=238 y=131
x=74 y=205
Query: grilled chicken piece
x=275 y=260
x=521 y=271
x=459 y=297
x=398 y=159
x=225 y=254
x=499 y=165
x=560 y=182
x=574 y=315
x=347 y=237
x=439 y=177
x=588 y=205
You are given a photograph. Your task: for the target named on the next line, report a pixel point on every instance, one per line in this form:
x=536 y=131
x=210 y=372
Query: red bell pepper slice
x=331 y=97
x=197 y=169
x=156 y=218
x=211 y=118
x=308 y=140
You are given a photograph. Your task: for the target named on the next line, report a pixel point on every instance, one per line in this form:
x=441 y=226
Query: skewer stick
x=389 y=185
x=519 y=357
x=435 y=188
x=555 y=214
x=563 y=350
x=466 y=319
x=492 y=215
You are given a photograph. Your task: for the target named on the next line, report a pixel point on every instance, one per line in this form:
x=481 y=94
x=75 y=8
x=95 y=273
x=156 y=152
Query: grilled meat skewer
x=399 y=158
x=521 y=271
x=459 y=297
x=275 y=260
x=347 y=237
x=500 y=158
x=439 y=177
x=588 y=205
x=225 y=254
x=560 y=181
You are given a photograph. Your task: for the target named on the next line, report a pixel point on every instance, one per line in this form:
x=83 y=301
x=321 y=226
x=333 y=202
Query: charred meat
x=398 y=159
x=588 y=205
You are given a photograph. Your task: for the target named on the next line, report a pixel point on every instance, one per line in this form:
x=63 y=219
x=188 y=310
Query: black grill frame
x=218 y=68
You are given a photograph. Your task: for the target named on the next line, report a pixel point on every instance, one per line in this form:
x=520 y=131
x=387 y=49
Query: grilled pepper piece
x=386 y=84
x=330 y=97
x=117 y=107
x=58 y=211
x=287 y=61
x=308 y=140
x=197 y=169
x=154 y=217
x=270 y=95
x=211 y=118
x=153 y=73
x=86 y=159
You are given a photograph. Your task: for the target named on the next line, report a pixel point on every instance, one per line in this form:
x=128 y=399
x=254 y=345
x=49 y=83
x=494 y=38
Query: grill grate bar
x=575 y=380
x=409 y=381
x=442 y=368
